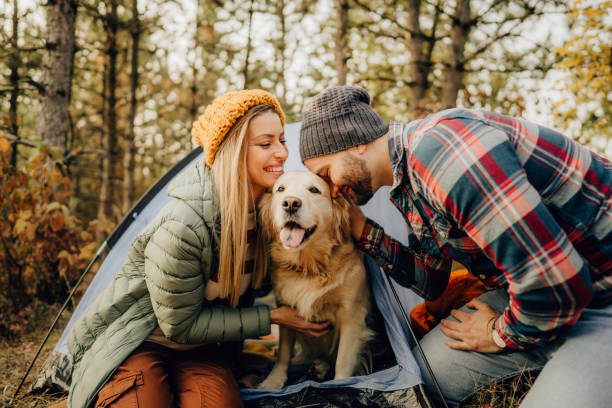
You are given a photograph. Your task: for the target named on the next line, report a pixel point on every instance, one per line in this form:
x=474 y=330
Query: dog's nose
x=291 y=204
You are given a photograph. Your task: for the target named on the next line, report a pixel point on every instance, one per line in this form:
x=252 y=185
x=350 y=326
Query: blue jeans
x=576 y=370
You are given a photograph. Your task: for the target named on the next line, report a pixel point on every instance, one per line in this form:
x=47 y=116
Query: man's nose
x=291 y=204
x=334 y=190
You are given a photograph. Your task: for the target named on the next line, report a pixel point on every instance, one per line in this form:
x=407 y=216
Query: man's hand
x=288 y=317
x=358 y=220
x=473 y=331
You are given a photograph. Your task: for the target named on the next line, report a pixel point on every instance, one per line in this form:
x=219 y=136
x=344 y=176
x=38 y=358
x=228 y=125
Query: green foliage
x=20 y=49
x=191 y=52
x=587 y=60
x=43 y=246
x=500 y=52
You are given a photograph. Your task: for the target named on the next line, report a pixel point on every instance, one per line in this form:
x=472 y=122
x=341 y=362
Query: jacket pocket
x=122 y=384
x=442 y=229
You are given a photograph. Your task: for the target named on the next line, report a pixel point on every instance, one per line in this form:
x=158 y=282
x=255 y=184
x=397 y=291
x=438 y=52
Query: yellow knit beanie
x=218 y=118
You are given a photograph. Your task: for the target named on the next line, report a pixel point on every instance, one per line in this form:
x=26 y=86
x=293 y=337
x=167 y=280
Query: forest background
x=97 y=97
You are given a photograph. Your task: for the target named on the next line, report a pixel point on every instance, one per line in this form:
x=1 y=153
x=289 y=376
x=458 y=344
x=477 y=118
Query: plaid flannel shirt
x=520 y=205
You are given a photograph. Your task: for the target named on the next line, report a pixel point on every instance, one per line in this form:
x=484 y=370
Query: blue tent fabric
x=404 y=375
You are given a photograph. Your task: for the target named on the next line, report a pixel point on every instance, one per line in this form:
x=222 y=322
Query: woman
x=167 y=328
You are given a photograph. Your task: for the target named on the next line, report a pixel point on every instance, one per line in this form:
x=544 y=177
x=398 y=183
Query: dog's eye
x=280 y=189
x=314 y=190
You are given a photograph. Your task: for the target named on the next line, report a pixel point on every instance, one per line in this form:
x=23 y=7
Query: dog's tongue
x=292 y=237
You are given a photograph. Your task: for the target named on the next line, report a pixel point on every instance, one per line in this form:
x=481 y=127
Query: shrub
x=43 y=246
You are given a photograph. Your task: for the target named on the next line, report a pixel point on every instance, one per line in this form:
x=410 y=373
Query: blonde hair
x=232 y=185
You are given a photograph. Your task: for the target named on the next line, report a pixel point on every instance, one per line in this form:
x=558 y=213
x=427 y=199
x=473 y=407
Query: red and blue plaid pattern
x=518 y=204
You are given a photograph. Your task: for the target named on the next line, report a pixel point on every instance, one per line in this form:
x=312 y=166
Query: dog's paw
x=273 y=382
x=320 y=368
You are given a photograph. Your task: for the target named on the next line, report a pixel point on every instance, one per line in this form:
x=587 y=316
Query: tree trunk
x=130 y=147
x=245 y=73
x=281 y=50
x=109 y=135
x=419 y=67
x=54 y=119
x=193 y=89
x=342 y=55
x=454 y=73
x=14 y=80
x=198 y=48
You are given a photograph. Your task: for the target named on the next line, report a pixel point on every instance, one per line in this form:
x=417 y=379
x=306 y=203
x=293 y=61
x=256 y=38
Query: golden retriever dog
x=317 y=270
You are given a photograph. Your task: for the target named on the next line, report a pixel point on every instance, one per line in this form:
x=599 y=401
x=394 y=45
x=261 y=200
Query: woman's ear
x=341 y=219
x=264 y=216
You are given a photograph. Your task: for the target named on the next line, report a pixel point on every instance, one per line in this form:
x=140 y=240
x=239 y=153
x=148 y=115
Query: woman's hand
x=473 y=330
x=288 y=317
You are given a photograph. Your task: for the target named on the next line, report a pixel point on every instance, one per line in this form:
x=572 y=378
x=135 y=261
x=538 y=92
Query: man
x=524 y=208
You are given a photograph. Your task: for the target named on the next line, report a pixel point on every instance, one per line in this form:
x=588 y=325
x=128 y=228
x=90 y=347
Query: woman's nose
x=281 y=152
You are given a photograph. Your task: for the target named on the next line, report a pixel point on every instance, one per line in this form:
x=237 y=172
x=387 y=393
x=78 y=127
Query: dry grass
x=506 y=394
x=16 y=355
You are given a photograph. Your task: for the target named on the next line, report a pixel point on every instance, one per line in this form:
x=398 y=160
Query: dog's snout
x=291 y=204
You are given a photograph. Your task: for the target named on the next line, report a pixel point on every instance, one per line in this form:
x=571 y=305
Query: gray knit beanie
x=338 y=118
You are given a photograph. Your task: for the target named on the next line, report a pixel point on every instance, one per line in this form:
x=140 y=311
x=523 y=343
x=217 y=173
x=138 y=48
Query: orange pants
x=155 y=376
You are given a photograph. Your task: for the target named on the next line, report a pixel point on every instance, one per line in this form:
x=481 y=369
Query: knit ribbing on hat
x=213 y=125
x=338 y=118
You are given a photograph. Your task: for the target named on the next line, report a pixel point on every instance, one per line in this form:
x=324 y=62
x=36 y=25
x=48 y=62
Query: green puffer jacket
x=161 y=283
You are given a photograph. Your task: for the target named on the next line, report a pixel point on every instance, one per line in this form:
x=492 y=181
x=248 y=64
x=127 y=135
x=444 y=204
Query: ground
x=16 y=355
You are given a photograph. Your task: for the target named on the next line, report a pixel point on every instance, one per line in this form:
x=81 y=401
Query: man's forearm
x=405 y=266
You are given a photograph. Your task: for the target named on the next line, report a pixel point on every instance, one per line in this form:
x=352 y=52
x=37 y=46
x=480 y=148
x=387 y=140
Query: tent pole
x=87 y=268
x=416 y=341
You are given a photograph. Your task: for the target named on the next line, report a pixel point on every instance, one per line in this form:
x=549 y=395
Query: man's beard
x=359 y=179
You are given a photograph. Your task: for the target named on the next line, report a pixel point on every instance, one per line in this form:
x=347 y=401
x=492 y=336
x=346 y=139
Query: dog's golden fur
x=323 y=277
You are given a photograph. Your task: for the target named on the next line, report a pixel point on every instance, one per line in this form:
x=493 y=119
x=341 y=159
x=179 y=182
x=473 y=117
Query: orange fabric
x=61 y=404
x=462 y=287
x=154 y=376
x=259 y=349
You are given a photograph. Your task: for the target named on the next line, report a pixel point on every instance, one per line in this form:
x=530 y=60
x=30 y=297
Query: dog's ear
x=342 y=221
x=264 y=217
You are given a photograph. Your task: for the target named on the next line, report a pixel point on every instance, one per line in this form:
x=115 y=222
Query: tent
x=399 y=385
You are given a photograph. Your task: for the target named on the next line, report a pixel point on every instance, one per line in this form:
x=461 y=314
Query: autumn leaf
x=37 y=160
x=20 y=226
x=62 y=195
x=5 y=146
x=55 y=177
x=87 y=252
x=57 y=221
x=30 y=232
x=71 y=222
x=53 y=206
x=72 y=203
x=25 y=214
